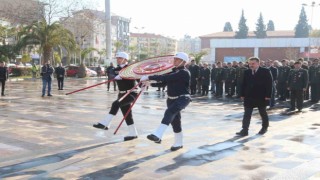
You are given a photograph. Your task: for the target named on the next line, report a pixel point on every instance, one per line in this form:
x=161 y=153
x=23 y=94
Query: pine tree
x=270 y=26
x=243 y=28
x=227 y=27
x=260 y=28
x=302 y=28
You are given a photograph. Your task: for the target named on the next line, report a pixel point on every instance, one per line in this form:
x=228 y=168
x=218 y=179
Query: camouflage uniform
x=314 y=79
x=297 y=82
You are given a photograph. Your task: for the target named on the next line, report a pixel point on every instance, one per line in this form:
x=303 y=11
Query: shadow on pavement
x=119 y=171
x=14 y=170
x=207 y=153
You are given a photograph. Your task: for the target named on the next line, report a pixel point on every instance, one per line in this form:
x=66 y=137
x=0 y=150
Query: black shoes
x=154 y=138
x=100 y=126
x=2 y=95
x=263 y=131
x=173 y=148
x=128 y=138
x=242 y=133
x=43 y=95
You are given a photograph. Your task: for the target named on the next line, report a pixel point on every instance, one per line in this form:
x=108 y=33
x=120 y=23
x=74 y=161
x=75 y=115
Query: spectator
x=3 y=76
x=99 y=71
x=297 y=85
x=60 y=72
x=111 y=74
x=34 y=71
x=47 y=75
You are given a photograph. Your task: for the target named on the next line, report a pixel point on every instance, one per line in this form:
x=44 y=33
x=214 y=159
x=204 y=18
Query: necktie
x=253 y=72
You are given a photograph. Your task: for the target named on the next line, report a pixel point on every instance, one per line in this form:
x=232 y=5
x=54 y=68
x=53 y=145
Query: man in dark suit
x=3 y=76
x=60 y=72
x=256 y=92
x=194 y=71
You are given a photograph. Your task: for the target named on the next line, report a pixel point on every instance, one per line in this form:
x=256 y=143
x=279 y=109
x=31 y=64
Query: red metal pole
x=124 y=96
x=124 y=117
x=89 y=87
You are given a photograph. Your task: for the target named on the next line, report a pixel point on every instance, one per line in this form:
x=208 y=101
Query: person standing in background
x=314 y=81
x=194 y=71
x=274 y=73
x=99 y=70
x=205 y=79
x=239 y=78
x=212 y=75
x=4 y=74
x=282 y=81
x=297 y=84
x=34 y=70
x=219 y=79
x=111 y=75
x=47 y=75
x=60 y=72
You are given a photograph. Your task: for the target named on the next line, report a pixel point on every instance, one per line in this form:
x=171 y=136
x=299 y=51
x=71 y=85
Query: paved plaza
x=53 y=138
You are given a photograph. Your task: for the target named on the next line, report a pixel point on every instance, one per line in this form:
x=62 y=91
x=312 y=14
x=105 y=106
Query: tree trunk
x=68 y=59
x=82 y=71
x=47 y=54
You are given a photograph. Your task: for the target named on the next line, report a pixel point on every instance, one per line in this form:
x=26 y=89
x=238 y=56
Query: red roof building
x=278 y=45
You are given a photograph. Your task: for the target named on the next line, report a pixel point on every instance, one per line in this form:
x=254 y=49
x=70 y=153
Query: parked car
x=10 y=66
x=92 y=73
x=28 y=65
x=72 y=71
x=94 y=68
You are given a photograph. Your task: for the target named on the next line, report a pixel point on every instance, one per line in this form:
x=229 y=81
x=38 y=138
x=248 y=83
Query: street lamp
x=312 y=5
x=138 y=40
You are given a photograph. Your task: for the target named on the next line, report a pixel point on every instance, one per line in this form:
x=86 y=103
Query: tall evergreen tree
x=243 y=28
x=260 y=28
x=302 y=28
x=227 y=27
x=270 y=26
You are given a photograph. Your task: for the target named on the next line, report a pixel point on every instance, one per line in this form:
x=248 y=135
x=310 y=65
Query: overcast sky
x=175 y=18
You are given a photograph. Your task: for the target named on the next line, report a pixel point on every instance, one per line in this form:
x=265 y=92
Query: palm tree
x=101 y=53
x=118 y=45
x=47 y=36
x=133 y=52
x=85 y=52
x=198 y=56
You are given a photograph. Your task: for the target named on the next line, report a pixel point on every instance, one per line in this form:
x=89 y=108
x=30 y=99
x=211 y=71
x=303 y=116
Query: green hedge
x=21 y=71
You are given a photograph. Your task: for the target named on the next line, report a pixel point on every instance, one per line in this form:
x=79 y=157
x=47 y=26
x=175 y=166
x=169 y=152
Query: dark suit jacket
x=4 y=73
x=256 y=88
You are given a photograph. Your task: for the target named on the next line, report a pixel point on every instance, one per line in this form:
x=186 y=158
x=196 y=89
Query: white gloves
x=118 y=77
x=144 y=78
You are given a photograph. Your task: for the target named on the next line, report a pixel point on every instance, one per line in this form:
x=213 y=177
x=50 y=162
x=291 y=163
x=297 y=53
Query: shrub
x=21 y=71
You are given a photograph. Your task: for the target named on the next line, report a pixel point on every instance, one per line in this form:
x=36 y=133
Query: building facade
x=89 y=29
x=189 y=44
x=21 y=12
x=150 y=45
x=278 y=45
